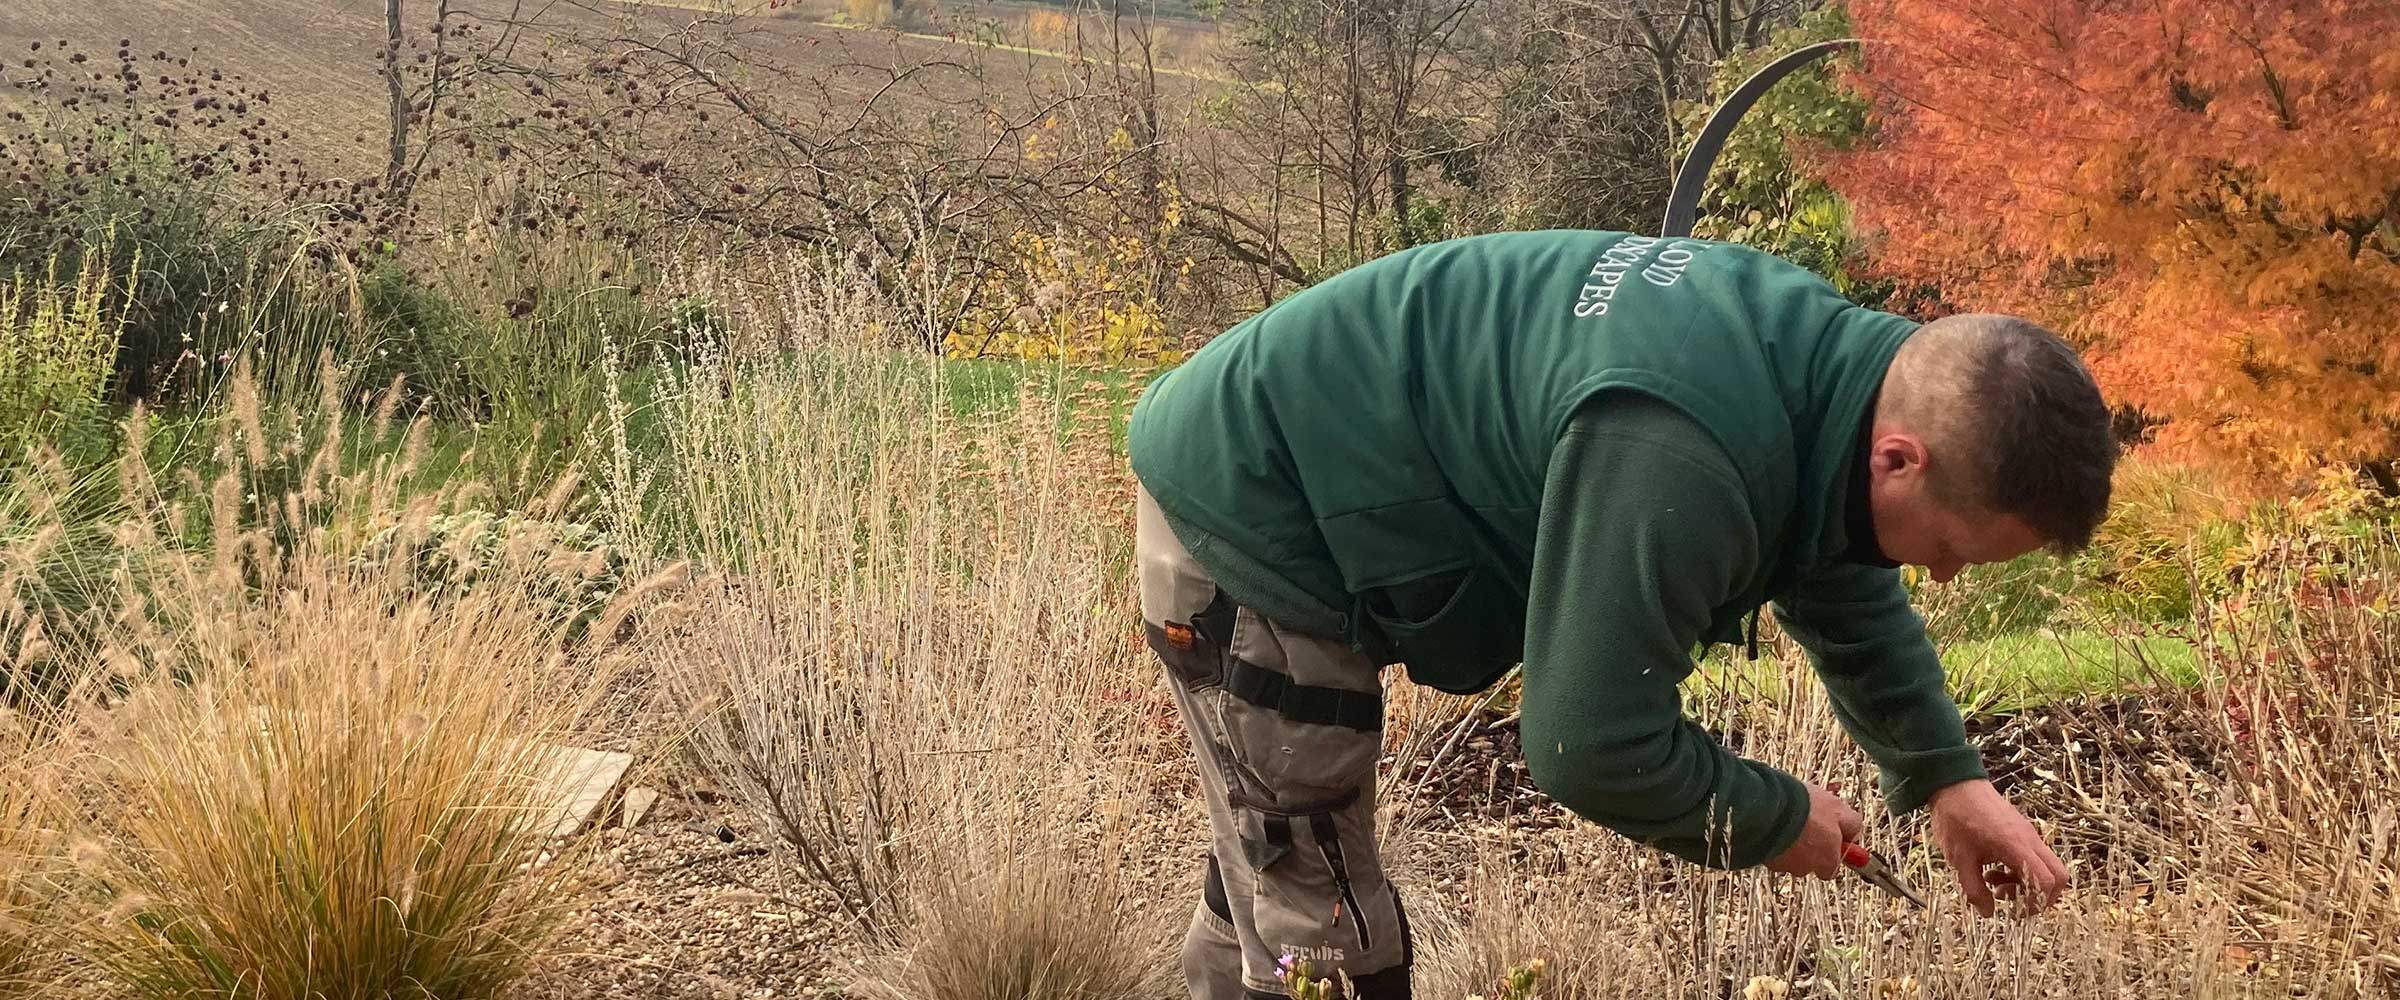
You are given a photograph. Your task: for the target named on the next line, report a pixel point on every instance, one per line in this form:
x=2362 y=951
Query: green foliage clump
x=569 y=566
x=58 y=341
x=2318 y=537
x=135 y=173
x=1764 y=191
x=2162 y=548
x=2175 y=538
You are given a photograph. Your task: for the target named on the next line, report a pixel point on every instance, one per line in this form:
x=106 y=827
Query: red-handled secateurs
x=1877 y=873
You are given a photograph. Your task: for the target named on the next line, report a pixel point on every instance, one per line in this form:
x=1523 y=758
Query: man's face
x=1916 y=528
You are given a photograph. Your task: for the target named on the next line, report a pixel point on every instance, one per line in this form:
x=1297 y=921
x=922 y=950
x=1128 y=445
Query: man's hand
x=1975 y=827
x=1818 y=852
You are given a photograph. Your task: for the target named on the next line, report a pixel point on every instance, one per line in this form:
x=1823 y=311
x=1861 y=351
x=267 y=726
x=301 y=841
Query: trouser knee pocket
x=1320 y=893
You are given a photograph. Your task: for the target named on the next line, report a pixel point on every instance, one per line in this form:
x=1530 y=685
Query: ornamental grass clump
x=32 y=859
x=320 y=779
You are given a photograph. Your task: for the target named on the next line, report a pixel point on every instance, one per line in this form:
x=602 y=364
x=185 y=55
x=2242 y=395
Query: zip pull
x=1337 y=912
x=1753 y=640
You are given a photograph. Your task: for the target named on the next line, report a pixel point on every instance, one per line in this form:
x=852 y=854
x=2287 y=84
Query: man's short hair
x=2015 y=402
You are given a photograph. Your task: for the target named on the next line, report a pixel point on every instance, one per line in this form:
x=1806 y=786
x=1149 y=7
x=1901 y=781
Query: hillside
x=321 y=61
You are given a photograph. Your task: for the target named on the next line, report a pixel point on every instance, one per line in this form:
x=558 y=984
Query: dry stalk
x=916 y=639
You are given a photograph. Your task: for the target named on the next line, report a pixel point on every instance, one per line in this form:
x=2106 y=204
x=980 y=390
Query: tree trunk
x=398 y=164
x=1399 y=65
x=1665 y=64
x=1354 y=168
x=2386 y=477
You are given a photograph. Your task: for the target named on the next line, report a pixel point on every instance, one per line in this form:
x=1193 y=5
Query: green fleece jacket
x=1581 y=452
x=1643 y=531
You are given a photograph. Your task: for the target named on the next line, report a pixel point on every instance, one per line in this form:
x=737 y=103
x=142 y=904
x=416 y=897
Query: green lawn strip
x=2021 y=669
x=2009 y=671
x=979 y=386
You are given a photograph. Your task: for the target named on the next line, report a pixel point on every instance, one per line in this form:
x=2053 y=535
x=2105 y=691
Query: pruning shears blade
x=1872 y=868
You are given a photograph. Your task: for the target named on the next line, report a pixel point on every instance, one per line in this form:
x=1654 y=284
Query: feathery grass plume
x=33 y=859
x=320 y=781
x=56 y=562
x=42 y=571
x=345 y=801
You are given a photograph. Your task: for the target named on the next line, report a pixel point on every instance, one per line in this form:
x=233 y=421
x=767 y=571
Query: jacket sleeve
x=1644 y=530
x=1886 y=681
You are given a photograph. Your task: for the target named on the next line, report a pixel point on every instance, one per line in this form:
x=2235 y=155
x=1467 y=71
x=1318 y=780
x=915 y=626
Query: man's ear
x=1899 y=454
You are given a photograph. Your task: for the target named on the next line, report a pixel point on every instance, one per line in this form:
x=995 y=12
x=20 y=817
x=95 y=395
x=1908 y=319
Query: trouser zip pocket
x=1329 y=846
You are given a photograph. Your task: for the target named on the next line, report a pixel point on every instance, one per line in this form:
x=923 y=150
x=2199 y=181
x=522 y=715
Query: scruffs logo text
x=1659 y=262
x=1292 y=952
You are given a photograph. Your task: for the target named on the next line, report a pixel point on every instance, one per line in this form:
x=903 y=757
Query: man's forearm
x=1674 y=789
x=1885 y=679
x=1622 y=585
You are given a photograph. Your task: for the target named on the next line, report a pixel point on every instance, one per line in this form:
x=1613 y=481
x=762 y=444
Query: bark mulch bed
x=694 y=902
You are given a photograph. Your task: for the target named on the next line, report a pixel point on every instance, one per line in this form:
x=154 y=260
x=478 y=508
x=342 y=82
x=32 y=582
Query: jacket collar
x=1833 y=392
x=1859 y=544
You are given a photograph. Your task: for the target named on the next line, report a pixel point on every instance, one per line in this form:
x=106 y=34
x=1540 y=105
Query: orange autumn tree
x=2205 y=194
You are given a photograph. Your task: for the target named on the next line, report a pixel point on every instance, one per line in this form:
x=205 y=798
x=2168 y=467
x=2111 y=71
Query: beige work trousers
x=1287 y=730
